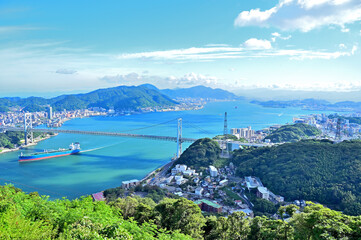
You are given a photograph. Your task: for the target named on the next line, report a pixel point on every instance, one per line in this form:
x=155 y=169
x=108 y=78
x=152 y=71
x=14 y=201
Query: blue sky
x=51 y=47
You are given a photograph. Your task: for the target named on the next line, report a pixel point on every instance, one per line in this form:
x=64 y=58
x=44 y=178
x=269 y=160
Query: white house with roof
x=263 y=192
x=199 y=191
x=213 y=171
x=179 y=168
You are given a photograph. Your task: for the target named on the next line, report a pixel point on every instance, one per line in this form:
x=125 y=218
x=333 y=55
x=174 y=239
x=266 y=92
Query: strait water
x=107 y=161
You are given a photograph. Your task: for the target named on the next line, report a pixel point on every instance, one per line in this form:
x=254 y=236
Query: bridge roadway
x=119 y=134
x=114 y=134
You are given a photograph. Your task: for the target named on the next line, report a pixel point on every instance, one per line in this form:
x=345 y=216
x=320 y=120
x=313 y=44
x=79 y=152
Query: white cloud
x=303 y=15
x=278 y=35
x=65 y=71
x=255 y=16
x=11 y=29
x=342 y=46
x=354 y=49
x=217 y=45
x=263 y=47
x=187 y=80
x=255 y=43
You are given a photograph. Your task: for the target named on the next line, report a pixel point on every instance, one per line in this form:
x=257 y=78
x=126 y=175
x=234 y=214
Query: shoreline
x=36 y=141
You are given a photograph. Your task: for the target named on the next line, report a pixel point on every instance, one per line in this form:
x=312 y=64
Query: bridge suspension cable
x=197 y=127
x=154 y=125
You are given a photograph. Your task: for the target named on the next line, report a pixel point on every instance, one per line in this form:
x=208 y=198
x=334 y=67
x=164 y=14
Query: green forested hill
x=312 y=170
x=119 y=98
x=293 y=133
x=201 y=154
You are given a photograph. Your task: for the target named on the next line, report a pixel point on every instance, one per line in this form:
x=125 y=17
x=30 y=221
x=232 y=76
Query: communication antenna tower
x=179 y=138
x=338 y=129
x=225 y=132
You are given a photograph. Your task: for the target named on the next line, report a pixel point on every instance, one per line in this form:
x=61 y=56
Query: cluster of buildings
x=262 y=192
x=330 y=125
x=205 y=188
x=16 y=119
x=251 y=135
x=49 y=117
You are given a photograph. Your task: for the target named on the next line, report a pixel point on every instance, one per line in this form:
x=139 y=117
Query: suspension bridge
x=29 y=130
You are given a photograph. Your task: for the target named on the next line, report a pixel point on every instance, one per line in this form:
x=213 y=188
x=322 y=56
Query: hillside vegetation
x=119 y=98
x=10 y=139
x=201 y=154
x=293 y=133
x=28 y=216
x=312 y=170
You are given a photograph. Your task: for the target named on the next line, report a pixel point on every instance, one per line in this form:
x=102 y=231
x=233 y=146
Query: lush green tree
x=181 y=214
x=29 y=216
x=318 y=222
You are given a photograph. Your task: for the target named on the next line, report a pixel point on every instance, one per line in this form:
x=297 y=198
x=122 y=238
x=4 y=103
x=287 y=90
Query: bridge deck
x=119 y=134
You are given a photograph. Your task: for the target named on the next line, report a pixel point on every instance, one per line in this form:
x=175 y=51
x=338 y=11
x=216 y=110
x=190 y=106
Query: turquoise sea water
x=112 y=160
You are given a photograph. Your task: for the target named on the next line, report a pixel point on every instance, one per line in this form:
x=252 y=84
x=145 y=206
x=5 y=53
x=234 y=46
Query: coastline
x=36 y=141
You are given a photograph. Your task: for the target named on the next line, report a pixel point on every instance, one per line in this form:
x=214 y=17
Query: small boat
x=74 y=148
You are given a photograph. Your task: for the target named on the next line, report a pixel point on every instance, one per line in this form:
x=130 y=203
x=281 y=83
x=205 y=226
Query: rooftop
x=98 y=196
x=212 y=168
x=130 y=181
x=263 y=190
x=215 y=205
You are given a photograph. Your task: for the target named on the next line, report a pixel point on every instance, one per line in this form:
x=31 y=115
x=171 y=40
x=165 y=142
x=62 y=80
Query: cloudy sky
x=51 y=47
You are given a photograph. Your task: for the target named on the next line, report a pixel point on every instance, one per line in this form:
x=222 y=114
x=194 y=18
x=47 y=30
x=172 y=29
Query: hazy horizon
x=261 y=94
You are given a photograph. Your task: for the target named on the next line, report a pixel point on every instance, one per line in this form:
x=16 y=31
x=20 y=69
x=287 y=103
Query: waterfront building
x=246 y=133
x=130 y=183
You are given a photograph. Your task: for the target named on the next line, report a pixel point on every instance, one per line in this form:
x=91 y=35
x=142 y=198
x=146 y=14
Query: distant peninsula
x=313 y=104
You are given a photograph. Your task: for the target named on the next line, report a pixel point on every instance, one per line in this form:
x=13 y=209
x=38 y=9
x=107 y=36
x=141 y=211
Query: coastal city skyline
x=50 y=48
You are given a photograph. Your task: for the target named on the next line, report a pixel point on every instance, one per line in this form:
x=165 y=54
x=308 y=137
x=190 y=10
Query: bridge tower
x=179 y=137
x=28 y=126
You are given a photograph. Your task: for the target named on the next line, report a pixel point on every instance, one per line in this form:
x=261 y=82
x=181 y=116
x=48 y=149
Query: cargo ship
x=74 y=148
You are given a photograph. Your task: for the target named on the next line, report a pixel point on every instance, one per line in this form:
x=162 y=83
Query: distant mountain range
x=120 y=98
x=313 y=104
x=200 y=92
